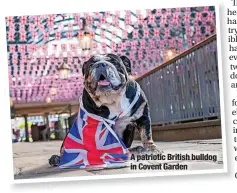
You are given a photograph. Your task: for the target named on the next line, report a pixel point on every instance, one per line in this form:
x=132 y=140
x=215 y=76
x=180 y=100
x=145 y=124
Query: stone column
x=26 y=128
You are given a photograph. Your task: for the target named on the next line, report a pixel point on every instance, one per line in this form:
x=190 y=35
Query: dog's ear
x=83 y=68
x=127 y=64
x=86 y=65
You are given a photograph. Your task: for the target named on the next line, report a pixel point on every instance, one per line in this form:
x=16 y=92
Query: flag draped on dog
x=92 y=141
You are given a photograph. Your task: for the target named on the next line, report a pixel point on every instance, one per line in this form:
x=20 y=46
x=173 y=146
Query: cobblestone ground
x=31 y=159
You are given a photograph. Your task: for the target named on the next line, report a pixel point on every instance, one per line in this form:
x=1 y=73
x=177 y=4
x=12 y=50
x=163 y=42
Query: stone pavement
x=31 y=159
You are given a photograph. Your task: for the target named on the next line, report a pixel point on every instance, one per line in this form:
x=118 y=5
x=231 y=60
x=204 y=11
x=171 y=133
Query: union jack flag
x=92 y=142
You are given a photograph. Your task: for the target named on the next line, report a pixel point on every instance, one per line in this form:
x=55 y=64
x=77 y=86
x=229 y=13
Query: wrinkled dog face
x=106 y=74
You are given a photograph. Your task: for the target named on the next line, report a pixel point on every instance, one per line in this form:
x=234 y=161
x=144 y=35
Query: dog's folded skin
x=109 y=92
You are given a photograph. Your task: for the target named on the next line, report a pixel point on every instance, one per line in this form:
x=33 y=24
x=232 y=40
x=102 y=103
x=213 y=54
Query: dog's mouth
x=103 y=82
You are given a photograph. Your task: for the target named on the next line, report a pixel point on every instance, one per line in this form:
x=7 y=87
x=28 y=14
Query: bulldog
x=109 y=91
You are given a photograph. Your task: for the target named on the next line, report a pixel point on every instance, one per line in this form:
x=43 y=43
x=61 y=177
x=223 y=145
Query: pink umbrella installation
x=39 y=45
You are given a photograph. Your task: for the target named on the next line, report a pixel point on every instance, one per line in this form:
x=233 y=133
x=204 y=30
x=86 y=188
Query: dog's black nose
x=102 y=64
x=101 y=67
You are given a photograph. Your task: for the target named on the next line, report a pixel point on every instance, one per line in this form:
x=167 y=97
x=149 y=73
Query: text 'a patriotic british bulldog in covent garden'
x=140 y=163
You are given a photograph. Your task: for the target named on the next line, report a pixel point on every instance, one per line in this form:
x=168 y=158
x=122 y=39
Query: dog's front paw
x=152 y=147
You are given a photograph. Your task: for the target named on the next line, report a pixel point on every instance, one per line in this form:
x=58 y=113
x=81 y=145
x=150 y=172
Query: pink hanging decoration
x=76 y=18
x=113 y=46
x=115 y=19
x=102 y=19
x=23 y=20
x=14 y=58
x=167 y=32
x=23 y=36
x=128 y=21
x=208 y=29
x=80 y=35
x=31 y=27
x=133 y=45
x=158 y=12
x=102 y=34
x=210 y=16
x=148 y=12
x=152 y=44
x=190 y=43
x=50 y=21
x=11 y=36
x=188 y=31
x=145 y=33
x=195 y=22
x=22 y=49
x=107 y=14
x=107 y=25
x=9 y=20
x=51 y=58
x=55 y=46
x=73 y=47
x=46 y=36
x=64 y=47
x=22 y=27
x=205 y=9
x=116 y=24
x=175 y=19
x=42 y=60
x=198 y=16
x=148 y=53
x=34 y=35
x=12 y=48
x=45 y=49
x=41 y=28
x=94 y=46
x=23 y=58
x=92 y=34
x=135 y=34
x=90 y=20
x=60 y=57
x=57 y=35
x=142 y=44
x=161 y=44
x=163 y=19
x=69 y=57
x=168 y=12
x=187 y=10
x=197 y=39
x=123 y=46
x=178 y=10
x=37 y=20
x=97 y=14
x=198 y=30
x=171 y=42
x=114 y=34
x=69 y=35
x=187 y=19
x=124 y=34
x=151 y=19
x=140 y=19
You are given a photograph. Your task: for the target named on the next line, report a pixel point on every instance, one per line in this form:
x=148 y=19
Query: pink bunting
x=69 y=35
x=9 y=20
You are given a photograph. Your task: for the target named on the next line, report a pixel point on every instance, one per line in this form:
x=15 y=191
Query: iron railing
x=185 y=88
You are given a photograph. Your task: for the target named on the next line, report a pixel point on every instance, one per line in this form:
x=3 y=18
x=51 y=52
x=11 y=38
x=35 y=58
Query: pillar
x=26 y=128
x=47 y=125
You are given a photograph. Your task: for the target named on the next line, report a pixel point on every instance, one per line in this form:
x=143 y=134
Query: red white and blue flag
x=93 y=143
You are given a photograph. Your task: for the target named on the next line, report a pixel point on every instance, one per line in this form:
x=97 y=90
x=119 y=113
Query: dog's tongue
x=104 y=83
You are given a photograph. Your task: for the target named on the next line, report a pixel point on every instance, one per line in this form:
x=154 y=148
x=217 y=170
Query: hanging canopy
x=37 y=45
